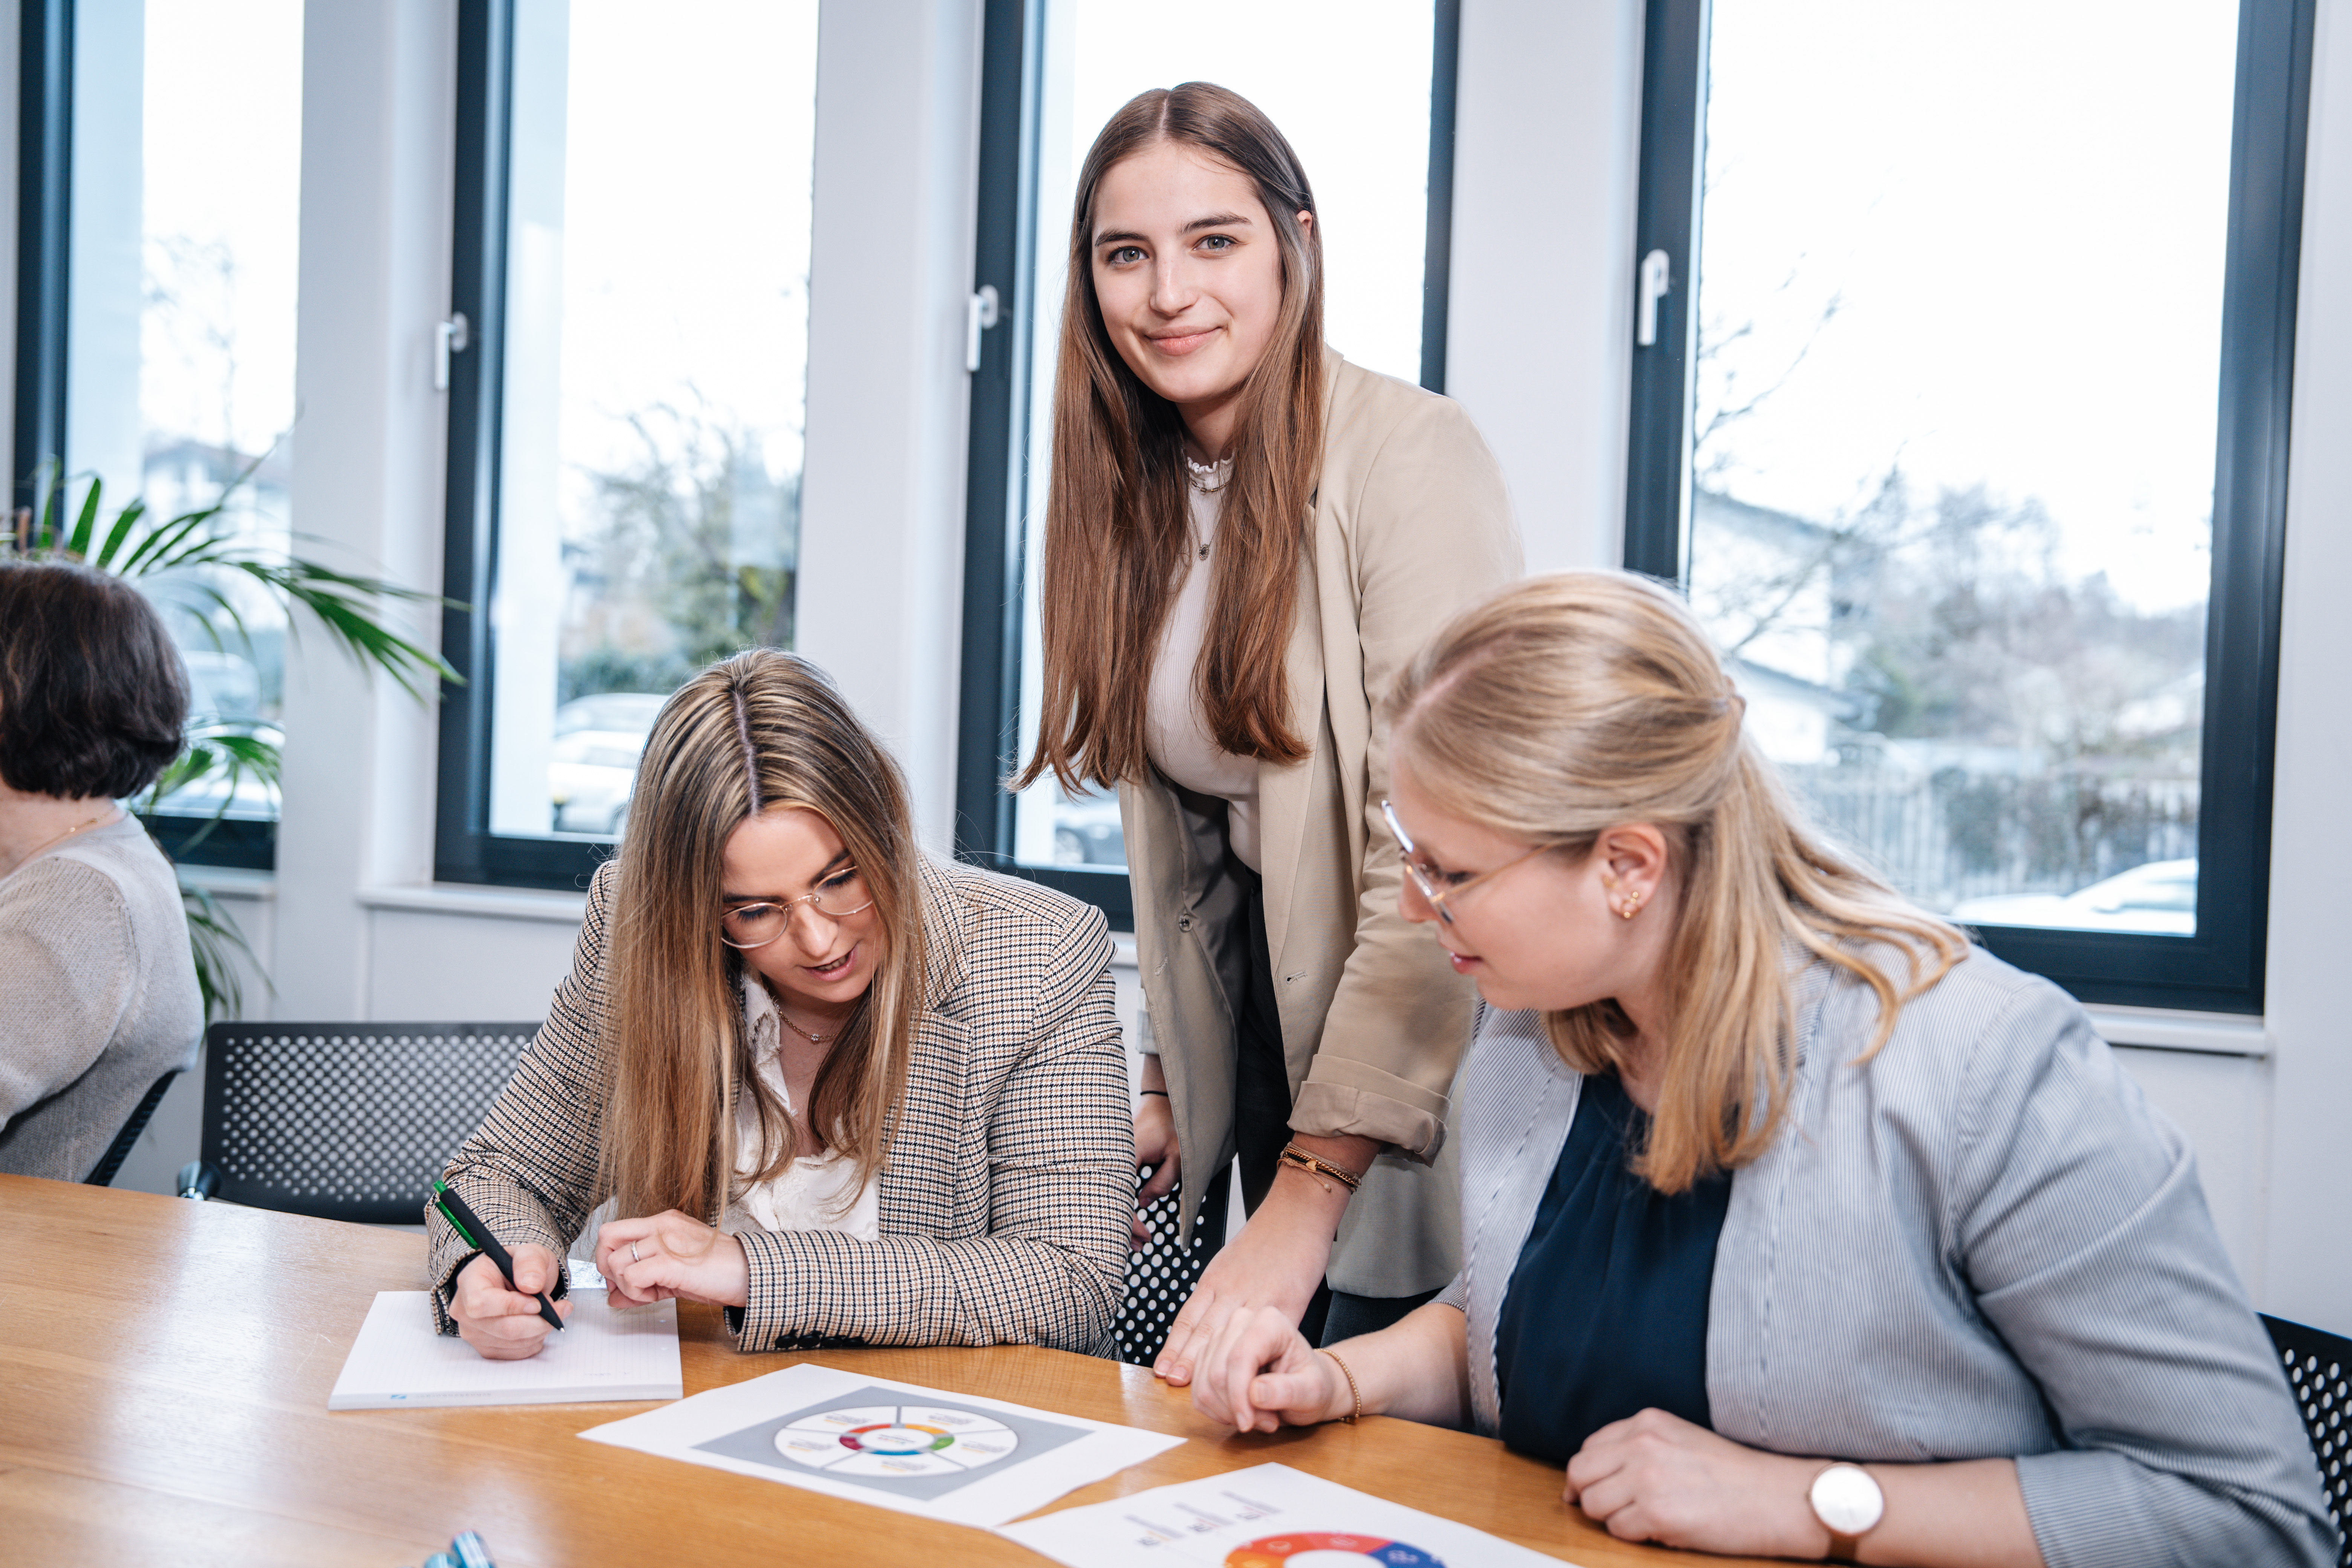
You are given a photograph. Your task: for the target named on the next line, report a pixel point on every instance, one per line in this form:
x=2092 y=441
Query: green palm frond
x=196 y=544
x=192 y=553
x=228 y=751
x=216 y=943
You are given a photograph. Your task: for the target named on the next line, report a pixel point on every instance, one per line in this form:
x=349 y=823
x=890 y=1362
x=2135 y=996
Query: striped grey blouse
x=1983 y=1242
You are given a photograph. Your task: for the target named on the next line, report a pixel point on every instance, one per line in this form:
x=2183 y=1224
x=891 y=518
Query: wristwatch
x=1849 y=1504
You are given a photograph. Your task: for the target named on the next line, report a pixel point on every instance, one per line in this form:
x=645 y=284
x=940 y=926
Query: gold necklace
x=812 y=1036
x=61 y=837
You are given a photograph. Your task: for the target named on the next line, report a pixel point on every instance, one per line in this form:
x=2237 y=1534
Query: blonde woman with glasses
x=1793 y=1225
x=852 y=1094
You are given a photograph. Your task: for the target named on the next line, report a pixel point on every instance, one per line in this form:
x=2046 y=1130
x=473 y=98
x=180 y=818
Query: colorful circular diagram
x=1275 y=1551
x=905 y=1441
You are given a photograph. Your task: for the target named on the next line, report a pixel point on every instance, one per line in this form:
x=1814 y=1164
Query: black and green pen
x=475 y=1235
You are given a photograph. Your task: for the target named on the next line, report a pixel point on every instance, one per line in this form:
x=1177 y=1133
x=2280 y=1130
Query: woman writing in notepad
x=1793 y=1225
x=850 y=1093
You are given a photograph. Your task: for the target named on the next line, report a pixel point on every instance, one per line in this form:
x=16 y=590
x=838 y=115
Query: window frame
x=997 y=482
x=45 y=76
x=2220 y=969
x=464 y=849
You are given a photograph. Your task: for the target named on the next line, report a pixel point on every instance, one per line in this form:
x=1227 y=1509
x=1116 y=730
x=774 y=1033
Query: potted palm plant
x=197 y=555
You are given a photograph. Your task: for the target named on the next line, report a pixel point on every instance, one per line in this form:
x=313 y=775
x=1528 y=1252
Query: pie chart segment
x=947 y=1418
x=844 y=1420
x=903 y=1464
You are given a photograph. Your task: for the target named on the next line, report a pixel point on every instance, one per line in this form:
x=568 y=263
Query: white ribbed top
x=1175 y=732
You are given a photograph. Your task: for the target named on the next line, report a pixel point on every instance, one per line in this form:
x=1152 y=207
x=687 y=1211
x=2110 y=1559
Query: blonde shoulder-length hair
x=763 y=730
x=1569 y=704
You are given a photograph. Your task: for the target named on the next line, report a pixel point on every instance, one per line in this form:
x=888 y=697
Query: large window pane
x=654 y=371
x=186 y=193
x=1360 y=121
x=1952 y=485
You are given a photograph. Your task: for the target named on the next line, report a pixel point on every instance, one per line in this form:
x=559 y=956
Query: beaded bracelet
x=1353 y=1392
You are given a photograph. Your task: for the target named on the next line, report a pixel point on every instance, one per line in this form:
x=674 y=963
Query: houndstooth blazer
x=1005 y=1192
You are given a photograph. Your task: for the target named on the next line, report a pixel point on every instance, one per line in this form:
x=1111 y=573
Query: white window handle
x=450 y=337
x=1657 y=282
x=980 y=313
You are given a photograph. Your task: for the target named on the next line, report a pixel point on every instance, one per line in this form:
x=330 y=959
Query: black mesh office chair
x=2319 y=1369
x=347 y=1122
x=103 y=1173
x=1160 y=1276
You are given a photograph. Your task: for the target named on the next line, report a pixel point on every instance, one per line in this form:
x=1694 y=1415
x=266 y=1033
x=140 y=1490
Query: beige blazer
x=1411 y=523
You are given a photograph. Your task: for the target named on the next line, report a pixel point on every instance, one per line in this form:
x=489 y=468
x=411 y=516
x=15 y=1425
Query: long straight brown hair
x=763 y=730
x=1116 y=519
x=1567 y=704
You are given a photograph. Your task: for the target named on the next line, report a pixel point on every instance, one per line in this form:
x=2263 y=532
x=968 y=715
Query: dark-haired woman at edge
x=1245 y=537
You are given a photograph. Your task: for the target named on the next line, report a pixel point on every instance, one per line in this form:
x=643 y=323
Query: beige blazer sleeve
x=1427 y=528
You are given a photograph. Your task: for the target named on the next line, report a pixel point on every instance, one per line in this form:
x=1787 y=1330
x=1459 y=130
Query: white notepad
x=603 y=1353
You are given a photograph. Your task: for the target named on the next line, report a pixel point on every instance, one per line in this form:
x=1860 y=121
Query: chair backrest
x=103 y=1173
x=348 y=1121
x=1161 y=1275
x=2319 y=1369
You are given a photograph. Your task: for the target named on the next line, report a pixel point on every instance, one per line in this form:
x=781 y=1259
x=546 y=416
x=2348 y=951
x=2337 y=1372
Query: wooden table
x=164 y=1369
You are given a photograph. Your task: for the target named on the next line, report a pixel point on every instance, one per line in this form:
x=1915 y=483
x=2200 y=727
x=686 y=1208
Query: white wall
x=1548 y=159
x=2306 y=1270
x=881 y=554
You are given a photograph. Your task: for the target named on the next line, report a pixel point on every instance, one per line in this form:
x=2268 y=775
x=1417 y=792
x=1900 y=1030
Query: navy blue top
x=1606 y=1313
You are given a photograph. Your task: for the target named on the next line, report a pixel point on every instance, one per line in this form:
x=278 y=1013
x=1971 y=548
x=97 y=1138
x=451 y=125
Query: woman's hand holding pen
x=672 y=1254
x=504 y=1324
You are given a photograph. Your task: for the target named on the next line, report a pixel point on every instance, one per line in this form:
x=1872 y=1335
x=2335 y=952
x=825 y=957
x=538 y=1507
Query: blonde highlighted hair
x=1569 y=704
x=763 y=730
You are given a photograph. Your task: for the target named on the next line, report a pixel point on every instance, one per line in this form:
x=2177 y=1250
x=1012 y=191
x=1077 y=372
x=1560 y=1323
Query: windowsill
x=229 y=882
x=2159 y=1029
x=480 y=903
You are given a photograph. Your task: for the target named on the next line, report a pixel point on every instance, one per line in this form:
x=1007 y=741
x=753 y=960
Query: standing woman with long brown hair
x=854 y=1094
x=1245 y=538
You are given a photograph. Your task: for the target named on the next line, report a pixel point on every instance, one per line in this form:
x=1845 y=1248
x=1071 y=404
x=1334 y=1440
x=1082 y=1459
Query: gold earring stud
x=1629 y=908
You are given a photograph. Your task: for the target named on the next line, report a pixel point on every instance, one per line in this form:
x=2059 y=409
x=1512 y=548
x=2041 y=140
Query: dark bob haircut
x=92 y=694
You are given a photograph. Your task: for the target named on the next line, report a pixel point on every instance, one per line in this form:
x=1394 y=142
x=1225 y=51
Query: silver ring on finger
x=632 y=1253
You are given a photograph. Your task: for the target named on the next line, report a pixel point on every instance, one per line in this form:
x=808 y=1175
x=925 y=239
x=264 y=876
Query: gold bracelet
x=1298 y=1159
x=1353 y=1392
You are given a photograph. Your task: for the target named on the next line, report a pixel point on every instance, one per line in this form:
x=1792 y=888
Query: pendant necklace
x=93 y=822
x=810 y=1035
x=1209 y=478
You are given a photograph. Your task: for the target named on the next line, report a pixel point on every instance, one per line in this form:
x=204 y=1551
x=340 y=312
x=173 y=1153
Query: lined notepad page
x=603 y=1353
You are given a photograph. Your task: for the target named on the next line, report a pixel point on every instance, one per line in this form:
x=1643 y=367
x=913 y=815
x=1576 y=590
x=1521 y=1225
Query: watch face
x=1846 y=1500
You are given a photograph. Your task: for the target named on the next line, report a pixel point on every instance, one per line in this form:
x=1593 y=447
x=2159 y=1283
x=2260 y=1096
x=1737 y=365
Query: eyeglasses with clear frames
x=1424 y=876
x=747 y=926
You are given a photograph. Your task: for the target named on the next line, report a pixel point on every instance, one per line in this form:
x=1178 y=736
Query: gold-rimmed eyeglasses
x=747 y=926
x=1425 y=877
